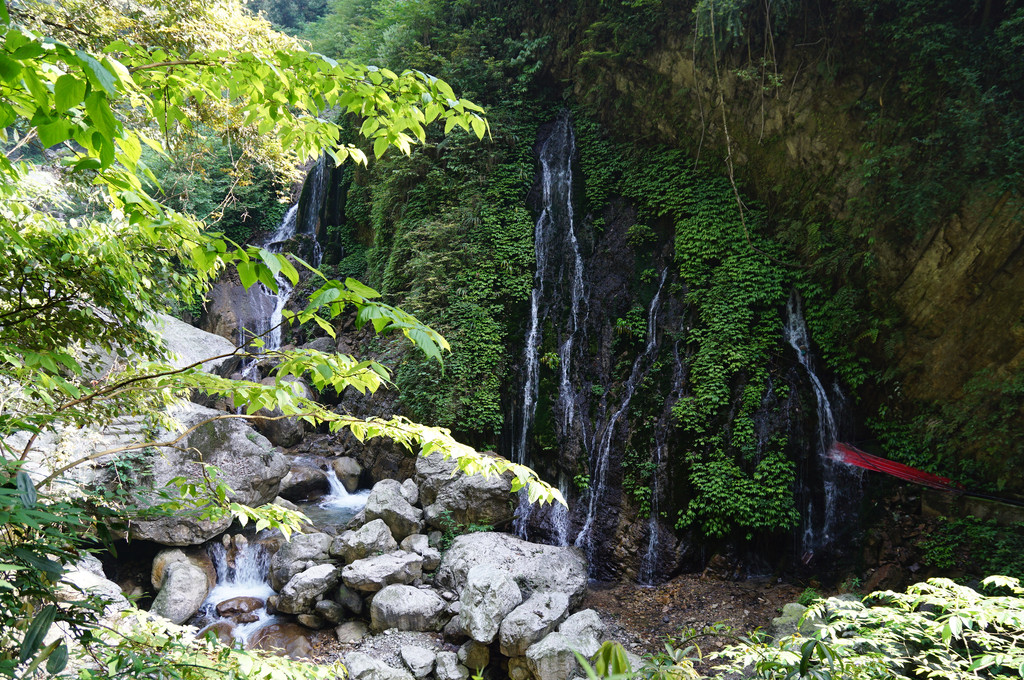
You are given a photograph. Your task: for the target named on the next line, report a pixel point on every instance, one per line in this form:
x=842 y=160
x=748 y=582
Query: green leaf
x=101 y=116
x=54 y=133
x=36 y=632
x=361 y=289
x=68 y=92
x=98 y=73
x=58 y=660
x=247 y=273
x=380 y=145
x=26 y=489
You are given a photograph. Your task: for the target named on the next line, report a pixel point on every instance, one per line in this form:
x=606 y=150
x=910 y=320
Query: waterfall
x=266 y=308
x=817 y=535
x=602 y=453
x=554 y=231
x=649 y=563
x=245 y=576
x=339 y=498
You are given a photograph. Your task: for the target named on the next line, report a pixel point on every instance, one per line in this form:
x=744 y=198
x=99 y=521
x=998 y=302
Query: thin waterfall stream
x=554 y=230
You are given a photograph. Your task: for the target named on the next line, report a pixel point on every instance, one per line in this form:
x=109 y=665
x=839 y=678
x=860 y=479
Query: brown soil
x=646 y=617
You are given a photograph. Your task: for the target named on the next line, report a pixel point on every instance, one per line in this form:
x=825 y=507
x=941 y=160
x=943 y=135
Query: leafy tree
x=77 y=288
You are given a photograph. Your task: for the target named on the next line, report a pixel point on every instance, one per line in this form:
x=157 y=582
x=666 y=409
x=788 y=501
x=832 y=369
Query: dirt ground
x=645 y=617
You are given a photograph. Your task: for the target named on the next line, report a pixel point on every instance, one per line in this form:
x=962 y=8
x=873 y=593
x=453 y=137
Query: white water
x=556 y=210
x=816 y=535
x=246 y=578
x=338 y=506
x=266 y=308
x=649 y=563
x=602 y=455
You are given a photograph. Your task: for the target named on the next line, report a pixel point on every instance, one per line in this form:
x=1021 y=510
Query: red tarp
x=847 y=454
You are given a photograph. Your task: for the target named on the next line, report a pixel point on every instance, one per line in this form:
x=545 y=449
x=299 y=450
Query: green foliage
x=936 y=629
x=737 y=293
x=949 y=119
x=450 y=529
x=808 y=597
x=976 y=438
x=977 y=547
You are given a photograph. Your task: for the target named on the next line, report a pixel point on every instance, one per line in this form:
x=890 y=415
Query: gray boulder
x=87 y=576
x=347 y=470
x=552 y=658
x=387 y=502
x=420 y=544
x=303 y=483
x=373 y=538
x=419 y=660
x=329 y=611
x=531 y=621
x=189 y=345
x=349 y=599
x=249 y=465
x=407 y=608
x=535 y=568
x=300 y=594
x=373 y=573
x=469 y=499
x=298 y=554
x=363 y=667
x=410 y=492
x=586 y=629
x=447 y=667
x=489 y=595
x=184 y=589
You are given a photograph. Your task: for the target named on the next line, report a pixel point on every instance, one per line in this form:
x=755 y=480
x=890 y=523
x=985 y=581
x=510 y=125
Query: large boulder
x=373 y=538
x=298 y=554
x=586 y=629
x=348 y=471
x=535 y=568
x=446 y=491
x=303 y=483
x=552 y=658
x=197 y=556
x=531 y=621
x=489 y=595
x=249 y=465
x=364 y=667
x=184 y=589
x=300 y=594
x=387 y=502
x=86 y=576
x=407 y=608
x=188 y=345
x=373 y=573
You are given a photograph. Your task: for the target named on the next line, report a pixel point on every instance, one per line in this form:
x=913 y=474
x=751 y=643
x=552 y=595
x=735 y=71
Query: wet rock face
x=303 y=483
x=240 y=609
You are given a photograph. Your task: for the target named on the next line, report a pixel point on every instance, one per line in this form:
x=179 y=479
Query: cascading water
x=244 y=577
x=649 y=563
x=554 y=235
x=265 y=314
x=602 y=453
x=818 y=533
